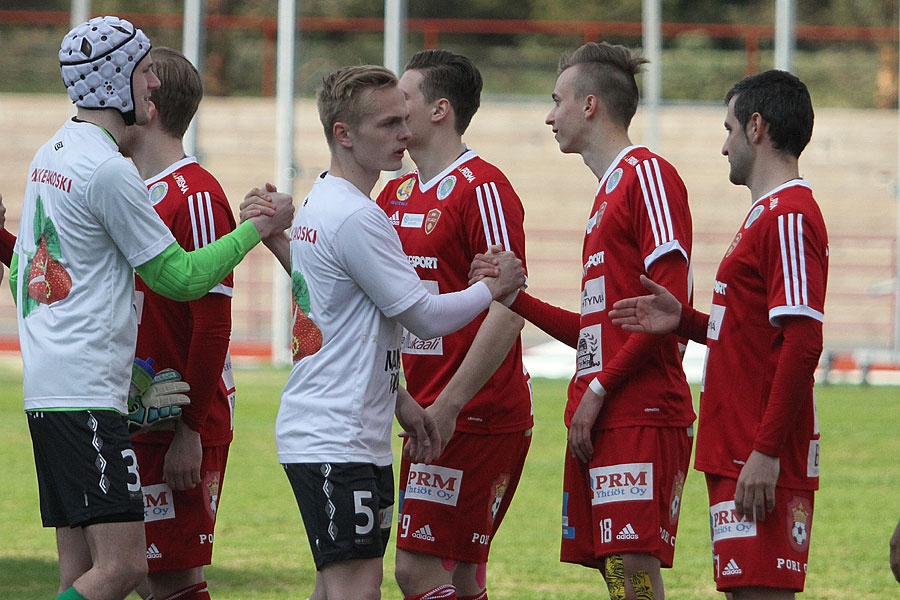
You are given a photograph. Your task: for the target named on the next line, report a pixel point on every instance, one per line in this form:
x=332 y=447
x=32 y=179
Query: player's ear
x=591 y=106
x=440 y=109
x=342 y=134
x=756 y=128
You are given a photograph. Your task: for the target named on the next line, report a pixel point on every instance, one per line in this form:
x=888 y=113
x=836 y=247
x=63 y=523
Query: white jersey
x=86 y=223
x=338 y=403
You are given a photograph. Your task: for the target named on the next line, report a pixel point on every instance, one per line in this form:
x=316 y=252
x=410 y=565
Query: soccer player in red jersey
x=182 y=472
x=472 y=381
x=629 y=413
x=758 y=440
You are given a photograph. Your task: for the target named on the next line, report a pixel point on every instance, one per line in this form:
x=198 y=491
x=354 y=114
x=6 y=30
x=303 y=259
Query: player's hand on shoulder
x=2 y=213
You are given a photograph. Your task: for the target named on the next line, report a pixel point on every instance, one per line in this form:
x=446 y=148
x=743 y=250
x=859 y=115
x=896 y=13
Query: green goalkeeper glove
x=154 y=399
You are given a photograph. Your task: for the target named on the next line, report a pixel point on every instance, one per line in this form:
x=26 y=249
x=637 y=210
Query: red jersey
x=640 y=214
x=192 y=337
x=777 y=266
x=442 y=224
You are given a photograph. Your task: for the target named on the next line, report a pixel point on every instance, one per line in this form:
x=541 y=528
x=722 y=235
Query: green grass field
x=261 y=550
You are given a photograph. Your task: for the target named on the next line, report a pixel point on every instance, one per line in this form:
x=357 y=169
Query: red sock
x=198 y=591
x=441 y=592
x=482 y=595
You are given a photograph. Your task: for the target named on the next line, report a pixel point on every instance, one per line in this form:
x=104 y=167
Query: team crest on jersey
x=498 y=490
x=754 y=215
x=614 y=180
x=446 y=186
x=798 y=522
x=431 y=220
x=211 y=492
x=675 y=500
x=158 y=191
x=406 y=189
x=734 y=243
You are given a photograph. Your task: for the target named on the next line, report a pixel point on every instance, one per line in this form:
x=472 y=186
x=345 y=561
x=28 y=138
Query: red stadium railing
x=432 y=29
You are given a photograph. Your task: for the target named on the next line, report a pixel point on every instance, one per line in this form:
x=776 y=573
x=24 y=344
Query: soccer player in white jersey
x=355 y=290
x=629 y=411
x=758 y=438
x=183 y=471
x=86 y=225
x=473 y=382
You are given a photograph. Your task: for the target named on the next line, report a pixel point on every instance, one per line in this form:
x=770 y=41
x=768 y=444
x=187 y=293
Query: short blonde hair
x=342 y=96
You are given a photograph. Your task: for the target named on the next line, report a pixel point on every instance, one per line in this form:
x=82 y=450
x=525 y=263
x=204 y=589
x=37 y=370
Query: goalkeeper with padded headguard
x=86 y=227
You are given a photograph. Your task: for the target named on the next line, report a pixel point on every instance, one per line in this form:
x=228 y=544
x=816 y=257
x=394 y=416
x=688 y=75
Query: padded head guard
x=97 y=61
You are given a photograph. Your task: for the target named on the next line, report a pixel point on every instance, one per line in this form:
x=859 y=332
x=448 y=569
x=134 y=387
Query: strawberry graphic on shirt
x=306 y=337
x=48 y=281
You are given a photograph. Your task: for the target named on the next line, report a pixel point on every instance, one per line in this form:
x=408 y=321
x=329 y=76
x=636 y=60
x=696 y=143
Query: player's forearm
x=693 y=324
x=557 y=322
x=671 y=272
x=184 y=276
x=211 y=333
x=497 y=334
x=443 y=314
x=280 y=247
x=794 y=376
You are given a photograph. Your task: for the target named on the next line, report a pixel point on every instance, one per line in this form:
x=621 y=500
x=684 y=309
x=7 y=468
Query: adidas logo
x=395 y=219
x=731 y=568
x=424 y=534
x=627 y=533
x=153 y=552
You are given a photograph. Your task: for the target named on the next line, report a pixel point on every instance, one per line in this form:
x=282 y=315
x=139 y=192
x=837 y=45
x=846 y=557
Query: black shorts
x=86 y=468
x=347 y=508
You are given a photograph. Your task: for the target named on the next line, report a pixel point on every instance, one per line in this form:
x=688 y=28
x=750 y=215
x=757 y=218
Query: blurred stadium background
x=845 y=50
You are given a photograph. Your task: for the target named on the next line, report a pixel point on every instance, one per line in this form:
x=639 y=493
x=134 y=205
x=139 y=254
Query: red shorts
x=452 y=508
x=179 y=524
x=771 y=553
x=627 y=499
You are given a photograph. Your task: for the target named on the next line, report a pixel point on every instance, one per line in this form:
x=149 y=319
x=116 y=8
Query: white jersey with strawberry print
x=350 y=277
x=86 y=224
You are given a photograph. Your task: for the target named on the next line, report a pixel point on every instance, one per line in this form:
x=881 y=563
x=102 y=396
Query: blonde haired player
x=356 y=290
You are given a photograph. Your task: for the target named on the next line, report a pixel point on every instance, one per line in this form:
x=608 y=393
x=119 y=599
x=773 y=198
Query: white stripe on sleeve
x=665 y=201
x=793 y=260
x=501 y=217
x=484 y=220
x=193 y=221
x=209 y=215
